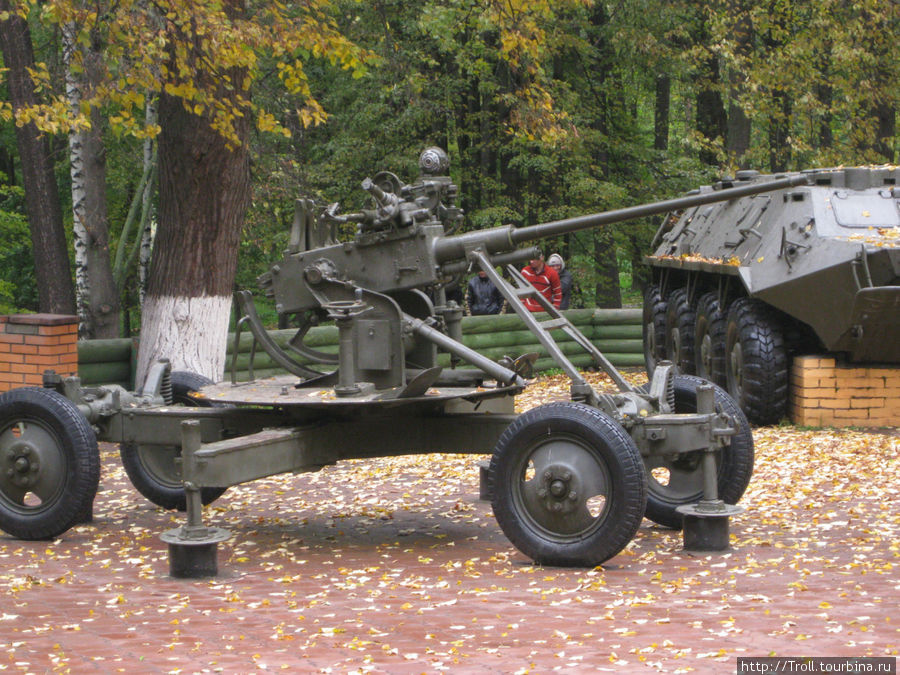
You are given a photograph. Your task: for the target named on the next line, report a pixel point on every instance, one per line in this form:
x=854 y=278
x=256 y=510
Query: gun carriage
x=569 y=481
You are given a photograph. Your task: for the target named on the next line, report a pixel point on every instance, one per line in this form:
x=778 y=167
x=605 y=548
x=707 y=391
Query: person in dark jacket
x=565 y=279
x=482 y=296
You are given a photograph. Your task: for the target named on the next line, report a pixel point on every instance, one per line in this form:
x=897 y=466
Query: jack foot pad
x=193 y=551
x=484 y=484
x=706 y=525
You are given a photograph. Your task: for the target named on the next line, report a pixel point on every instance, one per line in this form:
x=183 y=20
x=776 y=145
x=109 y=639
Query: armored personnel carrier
x=738 y=287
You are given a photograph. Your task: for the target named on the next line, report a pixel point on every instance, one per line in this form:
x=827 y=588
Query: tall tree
x=712 y=121
x=662 y=105
x=204 y=192
x=204 y=169
x=95 y=290
x=202 y=60
x=737 y=141
x=819 y=78
x=54 y=280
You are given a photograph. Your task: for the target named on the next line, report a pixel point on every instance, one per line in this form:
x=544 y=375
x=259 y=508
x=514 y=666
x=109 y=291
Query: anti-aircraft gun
x=569 y=481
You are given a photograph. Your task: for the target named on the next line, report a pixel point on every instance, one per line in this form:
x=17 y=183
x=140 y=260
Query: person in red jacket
x=545 y=279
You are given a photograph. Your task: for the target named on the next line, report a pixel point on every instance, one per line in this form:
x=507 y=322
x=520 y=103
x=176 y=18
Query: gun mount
x=570 y=481
x=403 y=254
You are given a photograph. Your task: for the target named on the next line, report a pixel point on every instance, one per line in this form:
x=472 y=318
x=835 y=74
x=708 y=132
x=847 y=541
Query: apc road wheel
x=654 y=327
x=676 y=480
x=49 y=464
x=568 y=485
x=756 y=362
x=152 y=469
x=709 y=339
x=680 y=320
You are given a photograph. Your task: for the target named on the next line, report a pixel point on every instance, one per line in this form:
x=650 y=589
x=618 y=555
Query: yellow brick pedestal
x=33 y=343
x=825 y=392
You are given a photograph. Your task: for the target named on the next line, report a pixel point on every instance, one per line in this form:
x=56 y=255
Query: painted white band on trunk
x=191 y=332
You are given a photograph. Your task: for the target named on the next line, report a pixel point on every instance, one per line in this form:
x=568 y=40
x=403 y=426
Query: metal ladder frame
x=521 y=288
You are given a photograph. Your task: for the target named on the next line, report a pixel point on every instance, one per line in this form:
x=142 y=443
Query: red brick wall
x=33 y=343
x=827 y=393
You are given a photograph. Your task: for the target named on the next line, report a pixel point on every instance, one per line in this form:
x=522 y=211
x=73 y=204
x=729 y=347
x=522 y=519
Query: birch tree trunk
x=147 y=229
x=147 y=234
x=76 y=173
x=51 y=261
x=95 y=290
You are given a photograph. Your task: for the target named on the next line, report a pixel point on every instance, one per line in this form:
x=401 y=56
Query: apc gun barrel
x=500 y=239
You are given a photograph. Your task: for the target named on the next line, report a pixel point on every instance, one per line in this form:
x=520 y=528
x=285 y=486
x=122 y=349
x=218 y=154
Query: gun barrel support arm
x=495 y=370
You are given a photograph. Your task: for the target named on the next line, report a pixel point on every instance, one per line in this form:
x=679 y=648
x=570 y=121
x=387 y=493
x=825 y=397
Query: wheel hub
x=558 y=490
x=651 y=338
x=22 y=464
x=676 y=345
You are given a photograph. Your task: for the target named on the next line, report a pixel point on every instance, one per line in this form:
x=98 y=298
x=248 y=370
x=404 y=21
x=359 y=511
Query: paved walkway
x=394 y=566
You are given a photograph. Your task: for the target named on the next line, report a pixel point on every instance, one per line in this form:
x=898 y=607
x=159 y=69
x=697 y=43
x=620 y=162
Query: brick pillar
x=825 y=392
x=33 y=343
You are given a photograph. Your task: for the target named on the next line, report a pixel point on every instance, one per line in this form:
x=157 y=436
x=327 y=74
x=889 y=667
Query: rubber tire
x=709 y=328
x=52 y=418
x=680 y=322
x=756 y=361
x=597 y=438
x=653 y=327
x=734 y=466
x=163 y=493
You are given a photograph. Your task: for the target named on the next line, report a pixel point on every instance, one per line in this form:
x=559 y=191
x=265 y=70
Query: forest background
x=548 y=110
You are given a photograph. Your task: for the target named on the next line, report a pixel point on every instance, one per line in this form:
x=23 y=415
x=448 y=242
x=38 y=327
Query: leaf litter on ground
x=386 y=564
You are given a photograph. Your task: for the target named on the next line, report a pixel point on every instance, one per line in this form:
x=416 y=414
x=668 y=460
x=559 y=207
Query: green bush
x=18 y=288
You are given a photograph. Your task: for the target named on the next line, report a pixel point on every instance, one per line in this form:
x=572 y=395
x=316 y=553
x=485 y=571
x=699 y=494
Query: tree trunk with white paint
x=204 y=192
x=189 y=331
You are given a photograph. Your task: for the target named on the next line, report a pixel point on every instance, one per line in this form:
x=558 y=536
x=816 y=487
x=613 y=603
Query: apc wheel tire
x=709 y=339
x=680 y=322
x=49 y=464
x=756 y=362
x=568 y=485
x=683 y=475
x=653 y=327
x=152 y=468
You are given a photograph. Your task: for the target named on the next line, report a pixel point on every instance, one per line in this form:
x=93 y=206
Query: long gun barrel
x=505 y=238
